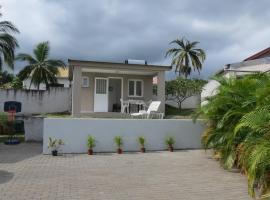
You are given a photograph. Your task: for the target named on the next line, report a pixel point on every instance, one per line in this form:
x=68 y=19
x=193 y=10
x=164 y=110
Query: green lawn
x=56 y=115
x=171 y=113
x=175 y=113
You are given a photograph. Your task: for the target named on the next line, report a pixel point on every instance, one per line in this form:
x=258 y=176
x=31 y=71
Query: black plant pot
x=54 y=152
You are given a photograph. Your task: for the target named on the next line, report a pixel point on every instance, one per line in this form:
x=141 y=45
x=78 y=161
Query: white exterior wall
x=210 y=89
x=33 y=129
x=26 y=84
x=74 y=132
x=191 y=102
x=35 y=102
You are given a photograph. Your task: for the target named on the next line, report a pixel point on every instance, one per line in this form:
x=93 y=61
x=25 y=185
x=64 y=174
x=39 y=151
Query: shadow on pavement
x=17 y=153
x=5 y=176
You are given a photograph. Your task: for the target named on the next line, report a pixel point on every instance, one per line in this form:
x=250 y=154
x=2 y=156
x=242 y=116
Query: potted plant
x=141 y=141
x=91 y=143
x=170 y=142
x=54 y=145
x=118 y=140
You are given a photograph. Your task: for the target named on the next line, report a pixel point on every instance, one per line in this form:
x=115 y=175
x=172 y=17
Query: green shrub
x=238 y=127
x=118 y=140
x=55 y=144
x=91 y=142
x=141 y=141
x=169 y=141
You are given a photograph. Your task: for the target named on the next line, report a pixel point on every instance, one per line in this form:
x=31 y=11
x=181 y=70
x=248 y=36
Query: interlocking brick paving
x=184 y=175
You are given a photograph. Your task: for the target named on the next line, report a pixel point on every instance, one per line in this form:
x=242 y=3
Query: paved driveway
x=183 y=175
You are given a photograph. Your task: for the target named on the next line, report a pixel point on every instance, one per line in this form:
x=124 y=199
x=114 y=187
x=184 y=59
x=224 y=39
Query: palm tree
x=8 y=43
x=186 y=56
x=39 y=68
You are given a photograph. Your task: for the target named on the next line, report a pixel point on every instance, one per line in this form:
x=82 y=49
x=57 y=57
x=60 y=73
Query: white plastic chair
x=124 y=106
x=152 y=110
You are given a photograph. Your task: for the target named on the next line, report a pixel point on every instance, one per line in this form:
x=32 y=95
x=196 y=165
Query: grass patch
x=56 y=115
x=174 y=113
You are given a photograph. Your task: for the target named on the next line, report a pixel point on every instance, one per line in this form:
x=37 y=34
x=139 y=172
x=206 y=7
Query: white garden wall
x=74 y=132
x=33 y=101
x=33 y=128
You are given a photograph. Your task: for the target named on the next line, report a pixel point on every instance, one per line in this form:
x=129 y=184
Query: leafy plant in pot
x=118 y=140
x=91 y=143
x=141 y=141
x=170 y=142
x=54 y=145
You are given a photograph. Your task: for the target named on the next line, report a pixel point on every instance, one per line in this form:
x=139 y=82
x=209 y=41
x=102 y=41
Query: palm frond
x=41 y=51
x=8 y=27
x=185 y=56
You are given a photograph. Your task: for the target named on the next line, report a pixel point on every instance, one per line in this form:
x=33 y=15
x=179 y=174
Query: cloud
x=114 y=30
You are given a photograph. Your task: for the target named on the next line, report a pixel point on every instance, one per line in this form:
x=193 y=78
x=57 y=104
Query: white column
x=161 y=90
x=76 y=91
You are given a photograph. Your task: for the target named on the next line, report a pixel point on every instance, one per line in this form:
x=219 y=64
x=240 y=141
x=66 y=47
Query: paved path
x=183 y=175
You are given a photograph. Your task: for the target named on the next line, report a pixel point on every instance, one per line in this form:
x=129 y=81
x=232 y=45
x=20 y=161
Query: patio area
x=186 y=175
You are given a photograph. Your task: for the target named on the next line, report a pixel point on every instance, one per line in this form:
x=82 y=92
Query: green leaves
x=41 y=51
x=141 y=141
x=39 y=68
x=118 y=140
x=169 y=141
x=238 y=120
x=8 y=43
x=91 y=142
x=180 y=89
x=186 y=56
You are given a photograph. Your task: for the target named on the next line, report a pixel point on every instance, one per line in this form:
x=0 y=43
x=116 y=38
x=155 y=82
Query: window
x=101 y=86
x=135 y=88
x=85 y=81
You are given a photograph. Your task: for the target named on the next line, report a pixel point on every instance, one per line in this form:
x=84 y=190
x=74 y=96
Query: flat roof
x=257 y=65
x=89 y=63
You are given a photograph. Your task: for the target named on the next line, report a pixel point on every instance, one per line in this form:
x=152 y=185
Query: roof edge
x=74 y=61
x=258 y=54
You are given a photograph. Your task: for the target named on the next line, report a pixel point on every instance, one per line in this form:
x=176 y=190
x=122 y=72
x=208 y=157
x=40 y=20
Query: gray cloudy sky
x=114 y=30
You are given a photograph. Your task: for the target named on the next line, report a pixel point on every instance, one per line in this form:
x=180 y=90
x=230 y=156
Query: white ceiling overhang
x=120 y=71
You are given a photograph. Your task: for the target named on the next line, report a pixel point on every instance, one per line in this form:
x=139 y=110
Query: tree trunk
x=180 y=106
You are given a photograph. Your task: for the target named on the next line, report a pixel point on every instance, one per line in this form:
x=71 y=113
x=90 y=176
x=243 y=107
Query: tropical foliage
x=5 y=77
x=180 y=89
x=16 y=83
x=238 y=121
x=8 y=43
x=91 y=142
x=169 y=141
x=186 y=56
x=39 y=68
x=9 y=81
x=55 y=144
x=141 y=141
x=118 y=140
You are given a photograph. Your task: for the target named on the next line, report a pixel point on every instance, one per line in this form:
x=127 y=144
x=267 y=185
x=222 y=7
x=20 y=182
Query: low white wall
x=33 y=101
x=74 y=132
x=33 y=129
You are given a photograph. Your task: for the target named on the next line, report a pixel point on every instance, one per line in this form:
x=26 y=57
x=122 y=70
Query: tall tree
x=40 y=69
x=8 y=43
x=186 y=56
